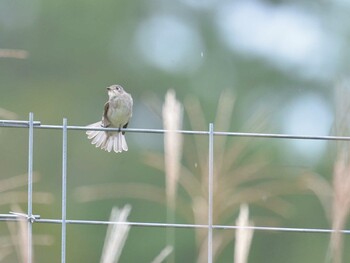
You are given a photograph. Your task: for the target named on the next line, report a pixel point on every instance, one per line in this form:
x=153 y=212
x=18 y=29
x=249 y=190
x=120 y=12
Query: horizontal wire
x=38 y=125
x=284 y=136
x=15 y=123
x=11 y=217
x=14 y=216
x=132 y=130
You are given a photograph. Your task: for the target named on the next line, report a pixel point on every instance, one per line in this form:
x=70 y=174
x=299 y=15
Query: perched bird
x=117 y=113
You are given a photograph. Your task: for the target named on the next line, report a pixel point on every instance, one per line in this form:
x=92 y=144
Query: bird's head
x=114 y=91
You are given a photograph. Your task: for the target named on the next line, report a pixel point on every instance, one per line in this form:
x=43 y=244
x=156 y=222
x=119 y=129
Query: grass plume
x=116 y=235
x=341 y=176
x=244 y=235
x=340 y=205
x=172 y=121
x=163 y=254
x=334 y=195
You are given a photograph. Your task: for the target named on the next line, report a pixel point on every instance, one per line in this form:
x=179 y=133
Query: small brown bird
x=117 y=113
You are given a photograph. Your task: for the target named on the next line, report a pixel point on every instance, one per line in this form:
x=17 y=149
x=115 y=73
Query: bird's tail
x=108 y=141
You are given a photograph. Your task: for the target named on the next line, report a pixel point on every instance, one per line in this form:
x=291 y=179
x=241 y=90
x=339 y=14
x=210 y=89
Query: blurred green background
x=279 y=59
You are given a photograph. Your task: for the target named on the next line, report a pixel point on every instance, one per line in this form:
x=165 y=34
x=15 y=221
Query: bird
x=116 y=114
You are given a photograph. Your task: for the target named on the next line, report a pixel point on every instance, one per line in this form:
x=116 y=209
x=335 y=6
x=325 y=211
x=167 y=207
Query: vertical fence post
x=210 y=192
x=64 y=190
x=30 y=189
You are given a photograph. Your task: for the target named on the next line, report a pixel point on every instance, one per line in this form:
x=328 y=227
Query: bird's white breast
x=119 y=112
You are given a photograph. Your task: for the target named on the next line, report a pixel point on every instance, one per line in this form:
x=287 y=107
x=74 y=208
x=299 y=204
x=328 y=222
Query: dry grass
x=116 y=235
x=10 y=196
x=16 y=242
x=163 y=254
x=13 y=53
x=7 y=114
x=243 y=173
x=19 y=234
x=334 y=195
x=340 y=197
x=244 y=235
x=172 y=121
x=340 y=204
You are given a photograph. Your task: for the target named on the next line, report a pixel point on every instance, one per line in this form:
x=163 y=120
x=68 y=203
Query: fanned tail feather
x=108 y=141
x=119 y=144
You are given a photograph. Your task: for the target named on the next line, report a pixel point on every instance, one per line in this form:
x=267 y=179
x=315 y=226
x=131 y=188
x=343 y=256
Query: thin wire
x=22 y=215
x=132 y=130
x=210 y=192
x=15 y=123
x=11 y=217
x=284 y=136
x=64 y=190
x=30 y=187
x=38 y=125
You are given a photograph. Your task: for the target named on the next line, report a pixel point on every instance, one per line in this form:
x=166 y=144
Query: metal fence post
x=64 y=190
x=210 y=192
x=30 y=188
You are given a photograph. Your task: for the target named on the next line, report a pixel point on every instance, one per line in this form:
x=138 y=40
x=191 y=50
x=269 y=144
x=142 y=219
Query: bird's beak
x=109 y=88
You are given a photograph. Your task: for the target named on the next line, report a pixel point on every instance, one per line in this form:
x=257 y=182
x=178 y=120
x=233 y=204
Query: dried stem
x=244 y=236
x=116 y=235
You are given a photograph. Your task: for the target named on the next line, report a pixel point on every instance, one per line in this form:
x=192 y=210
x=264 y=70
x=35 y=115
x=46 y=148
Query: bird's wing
x=105 y=121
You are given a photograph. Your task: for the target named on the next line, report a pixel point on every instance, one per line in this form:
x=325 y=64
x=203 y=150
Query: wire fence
x=63 y=221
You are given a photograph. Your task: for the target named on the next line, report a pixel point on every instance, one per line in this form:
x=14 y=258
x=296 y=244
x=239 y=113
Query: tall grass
x=10 y=196
x=172 y=121
x=4 y=113
x=116 y=235
x=340 y=198
x=340 y=204
x=243 y=173
x=334 y=195
x=244 y=235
